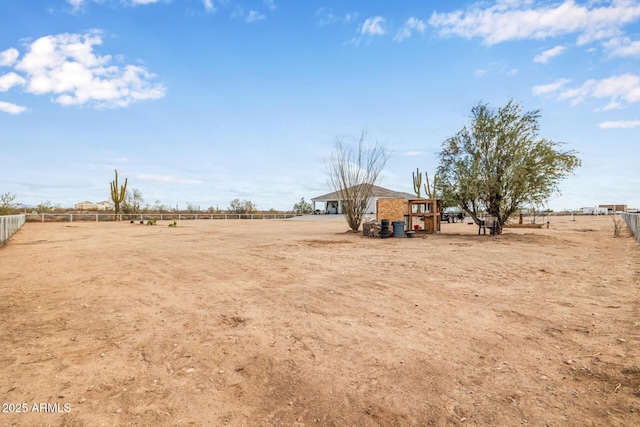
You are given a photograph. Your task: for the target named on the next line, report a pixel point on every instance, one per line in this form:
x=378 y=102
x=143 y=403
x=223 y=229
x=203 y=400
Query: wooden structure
x=393 y=209
x=423 y=213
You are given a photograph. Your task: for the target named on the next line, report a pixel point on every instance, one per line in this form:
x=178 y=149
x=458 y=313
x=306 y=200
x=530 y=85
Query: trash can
x=398 y=228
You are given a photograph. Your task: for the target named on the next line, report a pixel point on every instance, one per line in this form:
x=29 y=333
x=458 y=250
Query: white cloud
x=355 y=41
x=412 y=24
x=9 y=57
x=622 y=47
x=413 y=153
x=517 y=20
x=9 y=80
x=551 y=87
x=254 y=16
x=622 y=124
x=350 y=17
x=327 y=17
x=544 y=57
x=143 y=2
x=270 y=4
x=620 y=90
x=373 y=26
x=168 y=178
x=237 y=12
x=76 y=4
x=66 y=66
x=7 y=107
x=213 y=5
x=499 y=68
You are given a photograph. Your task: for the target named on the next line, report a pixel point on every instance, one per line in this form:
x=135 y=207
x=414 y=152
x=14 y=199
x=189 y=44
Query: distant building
x=86 y=206
x=105 y=205
x=615 y=208
x=594 y=211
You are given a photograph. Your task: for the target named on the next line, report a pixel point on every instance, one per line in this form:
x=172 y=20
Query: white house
x=333 y=204
x=86 y=206
x=105 y=205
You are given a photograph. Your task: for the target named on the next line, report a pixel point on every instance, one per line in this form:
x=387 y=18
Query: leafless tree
x=352 y=174
x=618 y=223
x=132 y=203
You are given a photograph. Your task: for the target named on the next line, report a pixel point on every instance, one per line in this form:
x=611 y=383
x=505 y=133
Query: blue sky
x=205 y=101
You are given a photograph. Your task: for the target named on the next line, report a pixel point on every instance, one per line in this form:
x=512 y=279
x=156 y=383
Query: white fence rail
x=633 y=222
x=147 y=217
x=9 y=224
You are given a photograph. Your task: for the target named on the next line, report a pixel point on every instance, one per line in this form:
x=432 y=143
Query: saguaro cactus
x=430 y=189
x=417 y=181
x=117 y=194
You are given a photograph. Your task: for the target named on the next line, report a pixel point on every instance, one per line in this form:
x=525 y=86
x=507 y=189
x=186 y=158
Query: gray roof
x=378 y=192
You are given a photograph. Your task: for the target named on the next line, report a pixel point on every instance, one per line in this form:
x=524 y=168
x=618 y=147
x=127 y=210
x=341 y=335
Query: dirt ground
x=299 y=323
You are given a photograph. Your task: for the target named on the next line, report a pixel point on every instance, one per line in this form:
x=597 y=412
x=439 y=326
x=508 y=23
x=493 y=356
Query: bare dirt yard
x=299 y=323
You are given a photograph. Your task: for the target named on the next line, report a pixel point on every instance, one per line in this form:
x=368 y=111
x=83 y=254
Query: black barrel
x=384 y=229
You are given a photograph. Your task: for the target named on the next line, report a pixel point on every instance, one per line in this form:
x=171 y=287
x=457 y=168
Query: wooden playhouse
x=419 y=215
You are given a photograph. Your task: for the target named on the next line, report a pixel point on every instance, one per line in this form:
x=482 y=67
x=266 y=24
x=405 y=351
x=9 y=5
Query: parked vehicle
x=451 y=216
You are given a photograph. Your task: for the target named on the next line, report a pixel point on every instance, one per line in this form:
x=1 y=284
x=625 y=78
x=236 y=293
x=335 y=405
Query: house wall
x=331 y=207
x=392 y=209
x=101 y=206
x=371 y=207
x=86 y=207
x=617 y=208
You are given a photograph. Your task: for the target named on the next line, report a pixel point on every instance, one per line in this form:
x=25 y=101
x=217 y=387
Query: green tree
x=242 y=207
x=7 y=203
x=498 y=164
x=44 y=207
x=352 y=174
x=302 y=207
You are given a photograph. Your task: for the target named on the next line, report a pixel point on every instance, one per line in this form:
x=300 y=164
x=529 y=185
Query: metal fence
x=147 y=217
x=633 y=222
x=9 y=224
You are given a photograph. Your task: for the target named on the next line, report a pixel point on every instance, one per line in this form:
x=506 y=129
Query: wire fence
x=633 y=222
x=9 y=224
x=148 y=217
